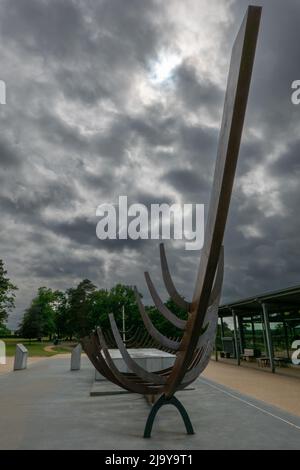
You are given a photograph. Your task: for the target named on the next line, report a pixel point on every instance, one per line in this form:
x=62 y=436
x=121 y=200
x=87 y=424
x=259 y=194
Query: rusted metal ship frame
x=194 y=349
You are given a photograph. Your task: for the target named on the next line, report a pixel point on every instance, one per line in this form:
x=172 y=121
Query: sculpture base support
x=167 y=401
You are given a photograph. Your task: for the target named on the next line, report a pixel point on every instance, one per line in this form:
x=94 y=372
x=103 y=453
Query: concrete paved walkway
x=9 y=366
x=49 y=407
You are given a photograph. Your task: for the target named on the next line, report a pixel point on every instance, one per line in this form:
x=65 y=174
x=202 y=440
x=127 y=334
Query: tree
x=31 y=325
x=61 y=315
x=4 y=331
x=80 y=310
x=162 y=324
x=100 y=307
x=124 y=296
x=39 y=318
x=78 y=313
x=7 y=294
x=103 y=302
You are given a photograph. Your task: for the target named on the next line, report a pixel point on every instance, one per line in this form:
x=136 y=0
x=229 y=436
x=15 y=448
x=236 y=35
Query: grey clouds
x=93 y=113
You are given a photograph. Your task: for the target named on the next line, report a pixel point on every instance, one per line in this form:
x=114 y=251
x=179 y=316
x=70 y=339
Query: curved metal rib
x=93 y=351
x=206 y=339
x=159 y=337
x=133 y=339
x=205 y=356
x=178 y=322
x=172 y=291
x=109 y=339
x=132 y=365
x=125 y=382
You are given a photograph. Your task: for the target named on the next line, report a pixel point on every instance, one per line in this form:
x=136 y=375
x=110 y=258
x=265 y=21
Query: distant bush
x=5 y=332
x=8 y=336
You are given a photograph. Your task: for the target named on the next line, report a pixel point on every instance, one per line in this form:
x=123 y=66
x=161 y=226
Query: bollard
x=76 y=357
x=2 y=352
x=20 y=357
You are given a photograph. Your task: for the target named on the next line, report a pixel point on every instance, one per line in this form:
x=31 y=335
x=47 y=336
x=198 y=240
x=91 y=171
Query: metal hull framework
x=194 y=349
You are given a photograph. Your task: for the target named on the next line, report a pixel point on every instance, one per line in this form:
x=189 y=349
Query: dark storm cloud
x=262 y=240
x=113 y=145
x=288 y=164
x=276 y=67
x=82 y=231
x=43 y=27
x=151 y=126
x=118 y=246
x=199 y=145
x=60 y=133
x=134 y=32
x=66 y=266
x=88 y=90
x=102 y=182
x=9 y=156
x=29 y=203
x=79 y=229
x=185 y=181
x=153 y=129
x=85 y=123
x=252 y=153
x=141 y=197
x=196 y=92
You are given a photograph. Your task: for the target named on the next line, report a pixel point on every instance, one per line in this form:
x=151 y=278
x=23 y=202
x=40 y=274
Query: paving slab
x=49 y=407
x=106 y=388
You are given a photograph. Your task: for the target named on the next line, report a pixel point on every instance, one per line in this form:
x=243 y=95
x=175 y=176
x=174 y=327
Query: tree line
x=7 y=298
x=77 y=311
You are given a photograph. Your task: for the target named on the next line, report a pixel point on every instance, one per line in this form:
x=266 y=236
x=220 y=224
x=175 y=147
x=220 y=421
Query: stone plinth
x=76 y=357
x=2 y=353
x=20 y=357
x=149 y=358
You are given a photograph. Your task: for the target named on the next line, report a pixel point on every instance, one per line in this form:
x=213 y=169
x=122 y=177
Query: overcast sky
x=125 y=97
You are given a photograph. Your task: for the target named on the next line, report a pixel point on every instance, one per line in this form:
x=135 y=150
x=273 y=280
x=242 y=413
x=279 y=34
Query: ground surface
x=8 y=367
x=36 y=348
x=276 y=389
x=49 y=407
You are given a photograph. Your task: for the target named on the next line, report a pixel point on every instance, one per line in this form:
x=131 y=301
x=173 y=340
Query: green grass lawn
x=35 y=348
